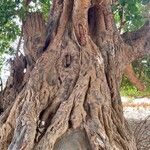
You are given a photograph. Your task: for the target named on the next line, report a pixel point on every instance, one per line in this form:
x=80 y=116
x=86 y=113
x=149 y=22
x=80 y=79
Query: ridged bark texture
x=130 y=74
x=71 y=100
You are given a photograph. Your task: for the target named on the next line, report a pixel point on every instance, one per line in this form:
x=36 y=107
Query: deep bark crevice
x=92 y=20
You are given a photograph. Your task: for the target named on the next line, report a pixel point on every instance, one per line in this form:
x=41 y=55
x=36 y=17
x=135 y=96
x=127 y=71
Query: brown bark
x=34 y=39
x=34 y=30
x=73 y=88
x=130 y=74
x=14 y=83
x=137 y=43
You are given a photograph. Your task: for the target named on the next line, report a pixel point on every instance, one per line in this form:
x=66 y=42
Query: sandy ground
x=136 y=113
x=140 y=110
x=136 y=117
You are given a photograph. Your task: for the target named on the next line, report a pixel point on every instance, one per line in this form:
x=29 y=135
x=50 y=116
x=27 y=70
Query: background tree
x=69 y=98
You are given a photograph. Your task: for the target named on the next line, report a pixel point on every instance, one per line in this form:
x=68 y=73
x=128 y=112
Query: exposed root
x=142 y=134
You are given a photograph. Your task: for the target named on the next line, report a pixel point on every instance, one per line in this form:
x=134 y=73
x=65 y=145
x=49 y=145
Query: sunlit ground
x=138 y=108
x=137 y=113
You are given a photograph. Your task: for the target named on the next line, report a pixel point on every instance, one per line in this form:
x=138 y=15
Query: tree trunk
x=71 y=100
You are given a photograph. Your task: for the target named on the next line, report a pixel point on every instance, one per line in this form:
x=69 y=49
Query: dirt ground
x=137 y=113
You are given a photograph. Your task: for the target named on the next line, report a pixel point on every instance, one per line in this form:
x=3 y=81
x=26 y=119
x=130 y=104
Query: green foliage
x=142 y=70
x=12 y=12
x=127 y=89
x=45 y=7
x=129 y=14
x=9 y=30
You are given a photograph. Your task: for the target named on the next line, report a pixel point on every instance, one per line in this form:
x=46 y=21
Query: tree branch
x=130 y=74
x=137 y=44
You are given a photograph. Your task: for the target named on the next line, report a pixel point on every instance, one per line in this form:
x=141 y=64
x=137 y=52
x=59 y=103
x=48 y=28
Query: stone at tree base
x=74 y=140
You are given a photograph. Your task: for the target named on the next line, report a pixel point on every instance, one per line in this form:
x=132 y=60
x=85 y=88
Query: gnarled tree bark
x=130 y=74
x=71 y=100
